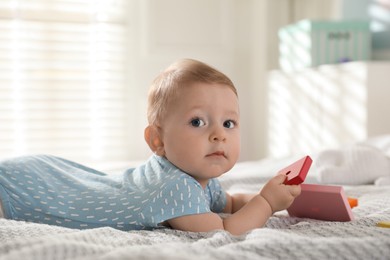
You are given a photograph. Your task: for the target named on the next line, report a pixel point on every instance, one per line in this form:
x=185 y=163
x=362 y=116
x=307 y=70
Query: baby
x=193 y=130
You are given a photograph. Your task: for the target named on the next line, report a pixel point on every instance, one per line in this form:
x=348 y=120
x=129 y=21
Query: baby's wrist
x=267 y=203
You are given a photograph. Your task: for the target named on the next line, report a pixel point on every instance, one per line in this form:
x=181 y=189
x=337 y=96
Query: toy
x=384 y=224
x=296 y=172
x=352 y=202
x=324 y=202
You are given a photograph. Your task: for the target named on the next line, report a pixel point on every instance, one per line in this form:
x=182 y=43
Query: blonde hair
x=178 y=75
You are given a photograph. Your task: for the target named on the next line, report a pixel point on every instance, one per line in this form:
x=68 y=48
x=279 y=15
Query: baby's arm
x=235 y=202
x=248 y=211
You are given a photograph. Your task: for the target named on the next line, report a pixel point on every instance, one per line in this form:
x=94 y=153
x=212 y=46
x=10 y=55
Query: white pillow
x=353 y=165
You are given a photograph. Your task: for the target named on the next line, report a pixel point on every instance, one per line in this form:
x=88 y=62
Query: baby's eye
x=229 y=124
x=196 y=122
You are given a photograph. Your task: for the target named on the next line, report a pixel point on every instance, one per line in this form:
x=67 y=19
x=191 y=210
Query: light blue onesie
x=52 y=190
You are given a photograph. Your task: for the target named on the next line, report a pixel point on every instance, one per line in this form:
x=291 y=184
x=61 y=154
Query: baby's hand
x=278 y=195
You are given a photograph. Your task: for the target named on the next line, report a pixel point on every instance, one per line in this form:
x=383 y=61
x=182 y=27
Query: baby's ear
x=153 y=138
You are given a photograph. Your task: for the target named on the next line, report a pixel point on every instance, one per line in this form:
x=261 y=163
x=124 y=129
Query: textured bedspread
x=283 y=237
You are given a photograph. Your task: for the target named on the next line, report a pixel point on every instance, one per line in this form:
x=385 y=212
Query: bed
x=362 y=169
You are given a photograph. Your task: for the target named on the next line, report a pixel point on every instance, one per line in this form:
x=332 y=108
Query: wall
x=328 y=106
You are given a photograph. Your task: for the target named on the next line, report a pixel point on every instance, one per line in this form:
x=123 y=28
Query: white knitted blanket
x=283 y=237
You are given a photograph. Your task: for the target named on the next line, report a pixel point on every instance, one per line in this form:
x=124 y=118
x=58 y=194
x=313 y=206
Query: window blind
x=62 y=79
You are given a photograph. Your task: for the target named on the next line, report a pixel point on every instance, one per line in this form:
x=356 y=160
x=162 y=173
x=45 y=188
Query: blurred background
x=74 y=74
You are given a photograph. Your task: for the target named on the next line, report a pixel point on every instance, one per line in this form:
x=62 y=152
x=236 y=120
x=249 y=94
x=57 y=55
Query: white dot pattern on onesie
x=52 y=190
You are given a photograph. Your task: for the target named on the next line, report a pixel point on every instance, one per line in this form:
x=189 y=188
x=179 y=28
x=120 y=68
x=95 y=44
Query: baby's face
x=201 y=131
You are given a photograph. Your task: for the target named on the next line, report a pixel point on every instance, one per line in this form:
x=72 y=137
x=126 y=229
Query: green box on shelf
x=310 y=43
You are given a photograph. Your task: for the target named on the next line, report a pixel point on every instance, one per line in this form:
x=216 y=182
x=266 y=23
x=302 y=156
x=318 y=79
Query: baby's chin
x=206 y=169
x=215 y=171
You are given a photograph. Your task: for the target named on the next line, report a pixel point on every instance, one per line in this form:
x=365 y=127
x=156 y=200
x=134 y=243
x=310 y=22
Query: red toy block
x=296 y=172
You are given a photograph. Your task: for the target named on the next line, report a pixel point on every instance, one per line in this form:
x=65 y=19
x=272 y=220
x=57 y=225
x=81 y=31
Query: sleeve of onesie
x=180 y=196
x=217 y=196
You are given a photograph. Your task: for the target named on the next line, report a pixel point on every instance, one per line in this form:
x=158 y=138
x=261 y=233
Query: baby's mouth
x=217 y=153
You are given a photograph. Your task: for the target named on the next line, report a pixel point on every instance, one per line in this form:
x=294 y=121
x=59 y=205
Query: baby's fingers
x=280 y=178
x=295 y=190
